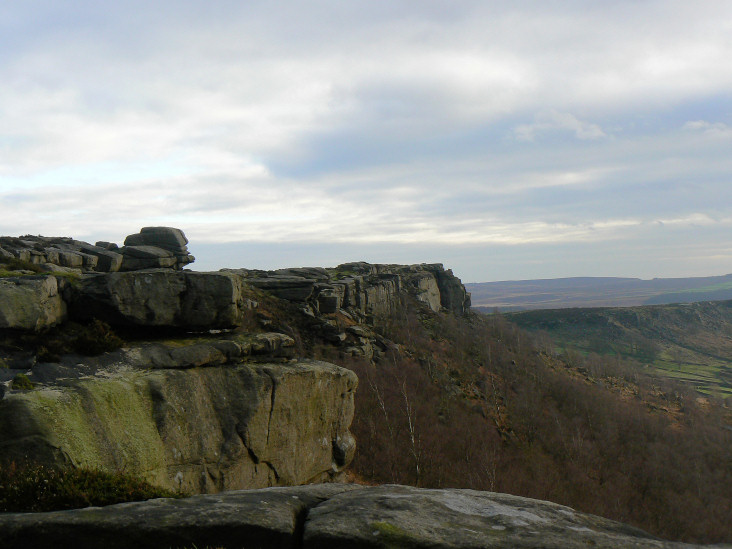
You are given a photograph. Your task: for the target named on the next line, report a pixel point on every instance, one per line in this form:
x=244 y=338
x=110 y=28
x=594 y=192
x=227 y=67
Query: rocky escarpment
x=329 y=516
x=363 y=290
x=200 y=398
x=142 y=284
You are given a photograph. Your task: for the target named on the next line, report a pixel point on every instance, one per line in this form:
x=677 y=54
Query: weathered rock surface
x=145 y=286
x=329 y=516
x=363 y=289
x=161 y=297
x=146 y=249
x=152 y=247
x=360 y=294
x=30 y=303
x=226 y=426
x=401 y=516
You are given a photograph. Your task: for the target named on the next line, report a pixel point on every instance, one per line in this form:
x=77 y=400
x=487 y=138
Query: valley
x=688 y=342
x=561 y=293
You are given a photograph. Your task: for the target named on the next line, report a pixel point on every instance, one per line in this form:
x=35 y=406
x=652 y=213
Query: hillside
x=477 y=402
x=244 y=378
x=596 y=292
x=690 y=342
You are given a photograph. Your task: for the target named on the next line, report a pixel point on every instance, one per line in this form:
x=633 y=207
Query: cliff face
x=201 y=429
x=364 y=290
x=166 y=298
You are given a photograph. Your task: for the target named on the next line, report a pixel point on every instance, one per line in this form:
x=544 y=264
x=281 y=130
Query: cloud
x=447 y=124
x=712 y=129
x=549 y=121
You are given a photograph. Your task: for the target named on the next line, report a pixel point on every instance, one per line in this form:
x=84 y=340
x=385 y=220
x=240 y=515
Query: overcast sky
x=507 y=140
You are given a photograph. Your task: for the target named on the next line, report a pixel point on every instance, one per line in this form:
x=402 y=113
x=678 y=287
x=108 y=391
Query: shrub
x=15 y=264
x=22 y=383
x=38 y=488
x=95 y=338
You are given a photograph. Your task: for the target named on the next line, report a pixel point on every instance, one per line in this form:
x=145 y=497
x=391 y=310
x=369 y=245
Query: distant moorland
x=596 y=292
x=689 y=342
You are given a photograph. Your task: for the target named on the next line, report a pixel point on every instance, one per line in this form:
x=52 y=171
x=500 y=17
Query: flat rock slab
x=402 y=516
x=329 y=516
x=270 y=517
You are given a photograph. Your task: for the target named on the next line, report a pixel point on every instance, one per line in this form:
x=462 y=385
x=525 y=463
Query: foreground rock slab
x=243 y=519
x=402 y=516
x=328 y=516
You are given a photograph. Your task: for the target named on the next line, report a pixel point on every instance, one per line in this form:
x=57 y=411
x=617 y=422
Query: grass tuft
x=15 y=264
x=40 y=489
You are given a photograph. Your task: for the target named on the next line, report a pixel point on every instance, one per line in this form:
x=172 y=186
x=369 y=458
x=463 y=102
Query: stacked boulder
x=152 y=247
x=155 y=247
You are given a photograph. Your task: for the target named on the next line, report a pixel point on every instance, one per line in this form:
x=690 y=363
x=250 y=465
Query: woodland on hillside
x=478 y=403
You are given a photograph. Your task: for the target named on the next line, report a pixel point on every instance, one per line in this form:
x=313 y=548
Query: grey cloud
x=477 y=123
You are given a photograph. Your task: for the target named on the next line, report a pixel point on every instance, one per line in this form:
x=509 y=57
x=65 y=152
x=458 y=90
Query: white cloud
x=713 y=129
x=552 y=120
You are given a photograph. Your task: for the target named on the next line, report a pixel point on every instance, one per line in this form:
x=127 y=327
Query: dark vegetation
x=90 y=339
x=479 y=403
x=34 y=488
x=87 y=339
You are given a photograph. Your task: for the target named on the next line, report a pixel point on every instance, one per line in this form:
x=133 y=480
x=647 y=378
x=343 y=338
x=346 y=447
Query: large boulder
x=146 y=257
x=168 y=239
x=162 y=298
x=249 y=519
x=30 y=303
x=200 y=429
x=329 y=517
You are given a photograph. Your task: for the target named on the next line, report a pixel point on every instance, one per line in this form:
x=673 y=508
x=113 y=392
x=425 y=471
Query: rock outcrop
x=152 y=247
x=364 y=290
x=329 y=517
x=202 y=417
x=155 y=247
x=161 y=298
x=142 y=284
x=229 y=409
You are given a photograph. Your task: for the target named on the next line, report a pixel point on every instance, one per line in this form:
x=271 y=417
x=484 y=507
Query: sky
x=506 y=140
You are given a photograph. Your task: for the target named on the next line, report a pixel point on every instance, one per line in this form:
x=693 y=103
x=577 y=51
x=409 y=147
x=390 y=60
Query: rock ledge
x=329 y=516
